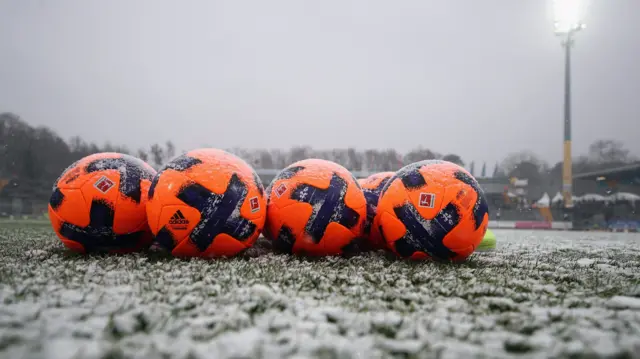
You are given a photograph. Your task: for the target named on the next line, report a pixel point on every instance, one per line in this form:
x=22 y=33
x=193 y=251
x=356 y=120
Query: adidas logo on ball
x=178 y=221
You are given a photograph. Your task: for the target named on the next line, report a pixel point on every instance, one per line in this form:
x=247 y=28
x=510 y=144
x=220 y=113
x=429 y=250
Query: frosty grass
x=541 y=294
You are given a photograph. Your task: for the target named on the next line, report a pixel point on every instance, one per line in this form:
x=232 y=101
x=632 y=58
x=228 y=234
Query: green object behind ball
x=488 y=242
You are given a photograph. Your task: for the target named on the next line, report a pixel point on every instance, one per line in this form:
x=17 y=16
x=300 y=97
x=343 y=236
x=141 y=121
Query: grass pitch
x=539 y=295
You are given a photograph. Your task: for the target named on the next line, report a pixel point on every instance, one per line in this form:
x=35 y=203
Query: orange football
x=206 y=203
x=372 y=186
x=432 y=209
x=98 y=204
x=316 y=207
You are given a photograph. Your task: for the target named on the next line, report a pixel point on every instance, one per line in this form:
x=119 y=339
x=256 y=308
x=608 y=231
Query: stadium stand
x=22 y=198
x=608 y=199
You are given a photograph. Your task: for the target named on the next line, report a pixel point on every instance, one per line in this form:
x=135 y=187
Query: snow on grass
x=541 y=294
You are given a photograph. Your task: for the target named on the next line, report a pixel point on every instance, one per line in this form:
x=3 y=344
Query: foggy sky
x=477 y=78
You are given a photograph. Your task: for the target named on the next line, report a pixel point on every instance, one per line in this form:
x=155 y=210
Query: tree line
x=39 y=154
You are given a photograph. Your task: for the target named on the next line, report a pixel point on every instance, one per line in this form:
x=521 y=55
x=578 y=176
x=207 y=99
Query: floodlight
x=567 y=15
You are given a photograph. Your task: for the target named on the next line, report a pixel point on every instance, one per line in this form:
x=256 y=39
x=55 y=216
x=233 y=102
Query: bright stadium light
x=568 y=16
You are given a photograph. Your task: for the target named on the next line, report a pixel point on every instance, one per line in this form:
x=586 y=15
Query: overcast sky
x=477 y=78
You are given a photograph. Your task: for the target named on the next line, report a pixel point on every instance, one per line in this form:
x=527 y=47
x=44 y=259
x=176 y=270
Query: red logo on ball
x=427 y=200
x=104 y=184
x=254 y=204
x=281 y=189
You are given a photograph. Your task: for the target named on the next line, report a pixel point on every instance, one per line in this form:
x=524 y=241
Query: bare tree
x=170 y=150
x=108 y=147
x=420 y=154
x=143 y=155
x=453 y=158
x=279 y=158
x=354 y=159
x=299 y=153
x=608 y=152
x=513 y=160
x=157 y=155
x=265 y=160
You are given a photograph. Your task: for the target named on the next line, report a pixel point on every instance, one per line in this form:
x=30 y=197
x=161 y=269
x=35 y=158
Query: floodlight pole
x=567 y=176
